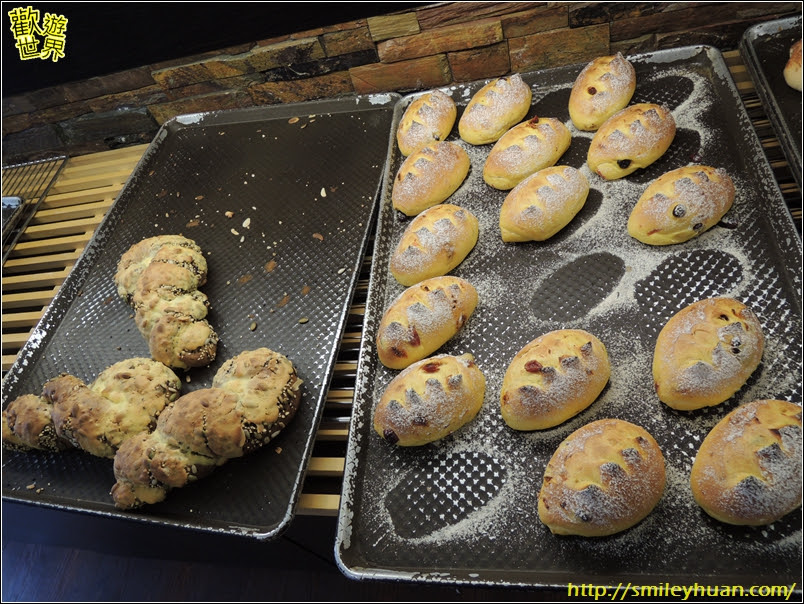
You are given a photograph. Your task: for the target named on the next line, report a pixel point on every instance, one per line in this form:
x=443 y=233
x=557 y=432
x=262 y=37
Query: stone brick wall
x=431 y=46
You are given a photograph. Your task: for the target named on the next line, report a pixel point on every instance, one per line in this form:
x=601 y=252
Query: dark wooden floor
x=52 y=555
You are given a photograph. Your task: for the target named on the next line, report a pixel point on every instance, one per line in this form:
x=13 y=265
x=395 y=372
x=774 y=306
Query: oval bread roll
x=604 y=87
x=429 y=400
x=681 y=204
x=706 y=352
x=631 y=139
x=494 y=109
x=423 y=318
x=429 y=176
x=604 y=478
x=427 y=119
x=748 y=469
x=553 y=378
x=526 y=148
x=543 y=204
x=434 y=243
x=792 y=69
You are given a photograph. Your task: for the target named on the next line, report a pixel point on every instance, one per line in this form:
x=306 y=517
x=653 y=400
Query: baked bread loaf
x=748 y=468
x=159 y=278
x=792 y=69
x=631 y=139
x=253 y=397
x=125 y=399
x=494 y=109
x=543 y=204
x=553 y=378
x=526 y=148
x=604 y=478
x=427 y=119
x=434 y=243
x=706 y=352
x=681 y=204
x=430 y=400
x=429 y=176
x=423 y=318
x=604 y=87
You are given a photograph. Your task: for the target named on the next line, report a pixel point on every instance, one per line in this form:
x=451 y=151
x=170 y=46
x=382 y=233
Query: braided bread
x=252 y=398
x=125 y=399
x=159 y=277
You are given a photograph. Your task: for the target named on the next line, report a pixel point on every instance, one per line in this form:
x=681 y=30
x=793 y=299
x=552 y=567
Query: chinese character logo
x=27 y=33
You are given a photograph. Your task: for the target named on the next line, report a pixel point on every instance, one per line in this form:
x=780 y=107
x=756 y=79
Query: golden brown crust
x=427 y=119
x=252 y=398
x=792 y=69
x=631 y=139
x=526 y=148
x=748 y=468
x=604 y=478
x=543 y=204
x=159 y=277
x=423 y=318
x=603 y=87
x=706 y=352
x=28 y=424
x=553 y=378
x=681 y=204
x=430 y=400
x=434 y=243
x=494 y=109
x=429 y=176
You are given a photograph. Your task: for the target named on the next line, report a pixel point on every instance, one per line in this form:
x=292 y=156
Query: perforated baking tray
x=281 y=199
x=464 y=510
x=765 y=49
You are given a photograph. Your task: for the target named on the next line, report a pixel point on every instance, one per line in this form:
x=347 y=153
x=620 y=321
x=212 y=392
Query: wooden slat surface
x=86 y=189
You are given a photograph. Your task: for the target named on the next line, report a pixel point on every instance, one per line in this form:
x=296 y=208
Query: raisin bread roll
x=681 y=204
x=543 y=204
x=494 y=109
x=430 y=400
x=526 y=148
x=434 y=243
x=792 y=69
x=553 y=378
x=748 y=468
x=706 y=352
x=159 y=278
x=604 y=87
x=427 y=119
x=631 y=139
x=429 y=176
x=423 y=318
x=603 y=479
x=252 y=398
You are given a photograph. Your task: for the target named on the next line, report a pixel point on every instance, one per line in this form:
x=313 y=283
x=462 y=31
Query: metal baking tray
x=765 y=49
x=282 y=200
x=464 y=510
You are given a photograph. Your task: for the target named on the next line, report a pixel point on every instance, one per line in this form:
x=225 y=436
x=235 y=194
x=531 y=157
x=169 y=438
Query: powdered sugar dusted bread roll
x=543 y=204
x=427 y=119
x=706 y=352
x=631 y=139
x=434 y=243
x=553 y=378
x=604 y=478
x=748 y=469
x=429 y=400
x=423 y=318
x=681 y=204
x=526 y=148
x=494 y=109
x=429 y=176
x=604 y=87
x=792 y=69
